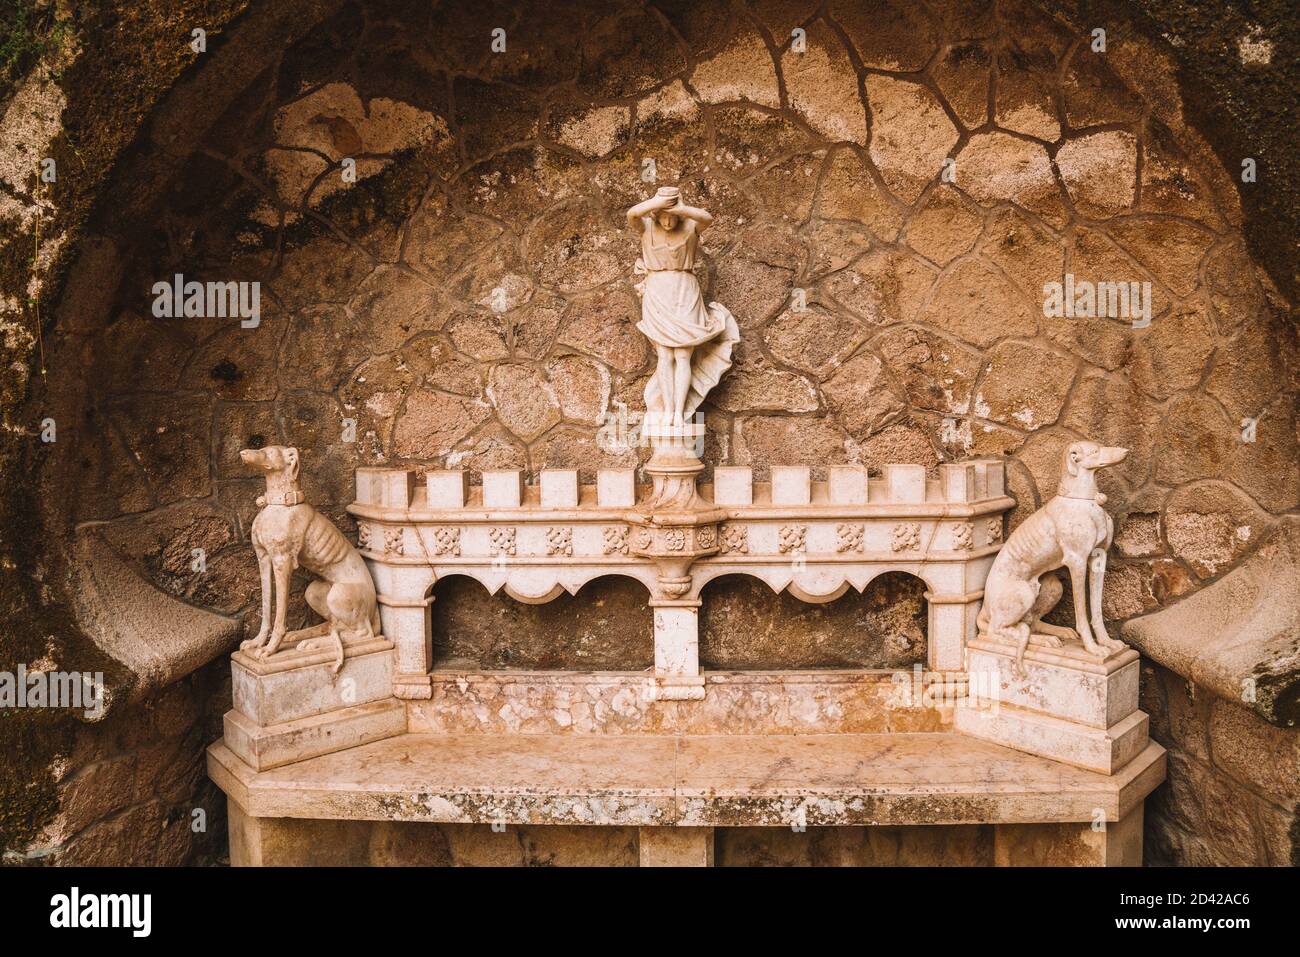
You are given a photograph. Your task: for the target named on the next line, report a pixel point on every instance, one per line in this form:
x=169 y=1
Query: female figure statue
x=693 y=342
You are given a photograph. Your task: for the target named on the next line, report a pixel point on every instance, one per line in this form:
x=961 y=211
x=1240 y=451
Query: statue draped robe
x=673 y=314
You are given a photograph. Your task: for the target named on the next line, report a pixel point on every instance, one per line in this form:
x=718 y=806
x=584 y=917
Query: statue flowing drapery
x=674 y=315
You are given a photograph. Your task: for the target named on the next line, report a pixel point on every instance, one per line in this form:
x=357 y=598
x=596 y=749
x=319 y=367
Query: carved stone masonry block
x=733 y=485
x=735 y=540
x=849 y=535
x=502 y=540
x=394 y=541
x=793 y=538
x=963 y=536
x=616 y=487
x=615 y=540
x=446 y=541
x=559 y=488
x=447 y=488
x=503 y=488
x=559 y=541
x=906 y=537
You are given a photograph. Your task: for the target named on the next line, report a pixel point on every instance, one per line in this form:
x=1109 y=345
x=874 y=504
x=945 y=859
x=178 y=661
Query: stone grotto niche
x=687 y=415
x=365 y=685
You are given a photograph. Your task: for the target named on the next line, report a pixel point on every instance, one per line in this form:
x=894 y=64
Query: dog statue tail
x=372 y=629
x=1022 y=639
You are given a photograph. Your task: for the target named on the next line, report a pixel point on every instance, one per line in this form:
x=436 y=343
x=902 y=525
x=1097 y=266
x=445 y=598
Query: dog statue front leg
x=1096 y=576
x=1079 y=587
x=282 y=570
x=264 y=569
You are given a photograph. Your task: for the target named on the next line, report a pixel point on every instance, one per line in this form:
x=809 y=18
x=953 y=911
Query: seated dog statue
x=287 y=534
x=1071 y=531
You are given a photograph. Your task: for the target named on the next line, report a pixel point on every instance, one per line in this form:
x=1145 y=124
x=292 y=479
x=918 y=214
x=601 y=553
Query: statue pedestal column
x=673 y=528
x=1068 y=705
x=675 y=465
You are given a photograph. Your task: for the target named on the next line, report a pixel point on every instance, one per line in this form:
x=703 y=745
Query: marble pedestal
x=293 y=706
x=1067 y=705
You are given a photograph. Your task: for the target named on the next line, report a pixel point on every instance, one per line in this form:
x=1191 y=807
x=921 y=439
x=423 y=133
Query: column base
x=1107 y=844
x=676 y=846
x=413 y=687
x=678 y=688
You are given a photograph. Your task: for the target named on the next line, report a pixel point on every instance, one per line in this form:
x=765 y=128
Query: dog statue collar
x=293 y=497
x=1098 y=498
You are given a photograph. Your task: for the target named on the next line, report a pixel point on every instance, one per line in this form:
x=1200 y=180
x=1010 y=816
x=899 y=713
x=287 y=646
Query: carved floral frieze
x=559 y=540
x=615 y=540
x=446 y=540
x=792 y=538
x=735 y=540
x=906 y=537
x=849 y=536
x=502 y=540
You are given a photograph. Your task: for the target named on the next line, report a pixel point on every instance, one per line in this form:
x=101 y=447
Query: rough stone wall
x=469 y=300
x=135 y=788
x=1232 y=798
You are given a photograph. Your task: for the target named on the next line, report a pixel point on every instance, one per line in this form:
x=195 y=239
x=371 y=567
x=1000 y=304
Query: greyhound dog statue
x=287 y=534
x=1071 y=531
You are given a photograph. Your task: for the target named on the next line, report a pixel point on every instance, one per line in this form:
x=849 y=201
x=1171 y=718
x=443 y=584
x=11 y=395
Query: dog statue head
x=273 y=460
x=279 y=464
x=1089 y=456
x=1080 y=462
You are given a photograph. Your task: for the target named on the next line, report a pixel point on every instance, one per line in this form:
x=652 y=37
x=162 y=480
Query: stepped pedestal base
x=293 y=705
x=1067 y=705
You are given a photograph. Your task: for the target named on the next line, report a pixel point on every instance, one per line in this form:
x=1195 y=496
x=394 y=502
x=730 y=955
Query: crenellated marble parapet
x=814 y=539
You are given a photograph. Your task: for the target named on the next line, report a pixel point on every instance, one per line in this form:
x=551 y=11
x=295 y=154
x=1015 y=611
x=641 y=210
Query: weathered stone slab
x=1238 y=637
x=693 y=781
x=829 y=702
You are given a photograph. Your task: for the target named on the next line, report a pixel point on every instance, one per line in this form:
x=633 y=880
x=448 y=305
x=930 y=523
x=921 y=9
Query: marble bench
x=675 y=789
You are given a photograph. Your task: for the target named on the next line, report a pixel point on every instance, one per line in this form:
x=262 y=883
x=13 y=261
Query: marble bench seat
x=665 y=783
